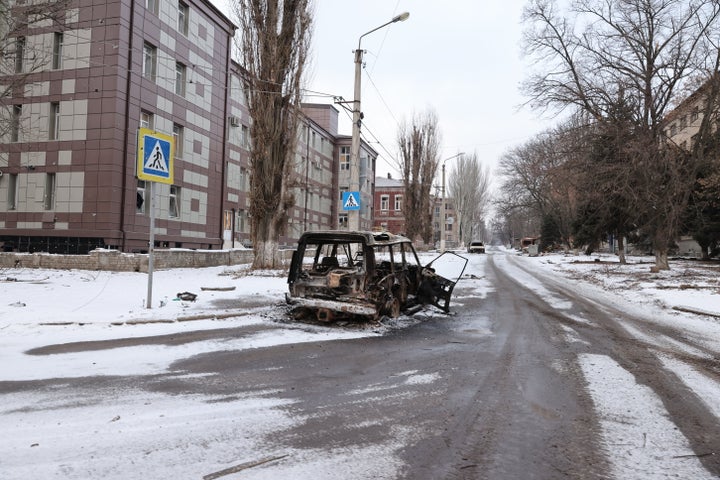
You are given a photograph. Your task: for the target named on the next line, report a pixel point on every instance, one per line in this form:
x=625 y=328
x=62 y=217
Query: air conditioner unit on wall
x=234 y=121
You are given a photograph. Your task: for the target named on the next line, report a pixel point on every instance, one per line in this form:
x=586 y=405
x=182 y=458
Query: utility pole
x=354 y=185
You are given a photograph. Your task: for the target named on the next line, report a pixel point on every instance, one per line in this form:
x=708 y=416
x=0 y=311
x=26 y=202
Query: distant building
x=389 y=205
x=449 y=227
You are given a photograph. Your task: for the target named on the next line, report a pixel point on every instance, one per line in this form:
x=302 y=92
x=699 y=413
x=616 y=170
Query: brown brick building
x=389 y=208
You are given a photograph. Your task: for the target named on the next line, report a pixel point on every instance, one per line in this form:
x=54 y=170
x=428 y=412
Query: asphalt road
x=493 y=391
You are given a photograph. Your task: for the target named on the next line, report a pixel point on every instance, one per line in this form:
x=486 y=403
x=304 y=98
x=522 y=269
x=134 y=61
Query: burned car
x=343 y=274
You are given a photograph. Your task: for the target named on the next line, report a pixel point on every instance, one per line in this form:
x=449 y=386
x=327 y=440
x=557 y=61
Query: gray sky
x=461 y=58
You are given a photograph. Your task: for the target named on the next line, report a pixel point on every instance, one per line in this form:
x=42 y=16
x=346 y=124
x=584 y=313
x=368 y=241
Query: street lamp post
x=354 y=215
x=443 y=220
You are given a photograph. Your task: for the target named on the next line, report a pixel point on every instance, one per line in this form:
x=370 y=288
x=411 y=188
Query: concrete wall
x=113 y=260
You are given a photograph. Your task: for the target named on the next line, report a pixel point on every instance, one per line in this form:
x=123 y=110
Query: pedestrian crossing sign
x=351 y=200
x=155 y=156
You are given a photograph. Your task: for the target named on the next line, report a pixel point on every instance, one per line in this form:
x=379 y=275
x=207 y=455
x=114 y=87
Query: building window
x=54 y=121
x=683 y=122
x=12 y=192
x=152 y=6
x=695 y=114
x=244 y=137
x=398 y=203
x=146 y=120
x=343 y=220
x=19 y=54
x=180 y=79
x=183 y=14
x=243 y=180
x=385 y=202
x=49 y=199
x=174 y=206
x=15 y=123
x=673 y=130
x=179 y=135
x=344 y=158
x=149 y=61
x=141 y=205
x=57 y=50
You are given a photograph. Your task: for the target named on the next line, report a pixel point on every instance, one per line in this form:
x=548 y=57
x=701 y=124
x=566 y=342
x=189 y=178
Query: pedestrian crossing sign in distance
x=351 y=200
x=155 y=156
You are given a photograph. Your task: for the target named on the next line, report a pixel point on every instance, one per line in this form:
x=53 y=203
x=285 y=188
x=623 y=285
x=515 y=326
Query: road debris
x=187 y=296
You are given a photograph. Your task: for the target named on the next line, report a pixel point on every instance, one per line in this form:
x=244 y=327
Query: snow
x=639 y=438
x=124 y=435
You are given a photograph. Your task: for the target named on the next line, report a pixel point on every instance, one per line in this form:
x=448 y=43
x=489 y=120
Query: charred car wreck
x=341 y=274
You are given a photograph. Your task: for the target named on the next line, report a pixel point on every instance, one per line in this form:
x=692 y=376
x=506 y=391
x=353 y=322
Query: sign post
x=155 y=163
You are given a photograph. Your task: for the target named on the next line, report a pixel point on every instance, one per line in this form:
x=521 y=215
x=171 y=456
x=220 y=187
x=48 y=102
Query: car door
x=439 y=278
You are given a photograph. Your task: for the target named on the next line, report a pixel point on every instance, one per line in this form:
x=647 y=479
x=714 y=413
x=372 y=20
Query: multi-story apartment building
x=366 y=167
x=389 y=207
x=445 y=222
x=69 y=170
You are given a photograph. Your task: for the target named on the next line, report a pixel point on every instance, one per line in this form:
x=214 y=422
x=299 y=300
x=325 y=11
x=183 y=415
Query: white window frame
x=149 y=68
x=385 y=202
x=152 y=6
x=174 y=202
x=179 y=135
x=142 y=191
x=58 y=40
x=344 y=158
x=54 y=121
x=49 y=196
x=244 y=136
x=180 y=78
x=398 y=203
x=147 y=120
x=183 y=18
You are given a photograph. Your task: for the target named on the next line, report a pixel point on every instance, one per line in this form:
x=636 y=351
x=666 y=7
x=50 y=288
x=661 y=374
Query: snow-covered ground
x=57 y=439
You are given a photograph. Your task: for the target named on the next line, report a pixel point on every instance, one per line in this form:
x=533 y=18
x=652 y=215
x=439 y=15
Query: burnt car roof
x=366 y=237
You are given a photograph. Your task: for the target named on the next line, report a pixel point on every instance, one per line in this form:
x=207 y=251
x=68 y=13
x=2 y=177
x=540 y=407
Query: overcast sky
x=461 y=58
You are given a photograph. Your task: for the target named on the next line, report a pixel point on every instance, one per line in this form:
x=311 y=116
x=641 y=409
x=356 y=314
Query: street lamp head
x=402 y=17
x=450 y=158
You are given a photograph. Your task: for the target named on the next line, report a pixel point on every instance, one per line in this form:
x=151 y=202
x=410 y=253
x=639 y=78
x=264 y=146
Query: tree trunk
x=661 y=259
x=267 y=255
x=265 y=247
x=621 y=250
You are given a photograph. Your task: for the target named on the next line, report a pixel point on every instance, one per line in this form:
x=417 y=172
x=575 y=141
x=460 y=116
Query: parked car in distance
x=476 y=247
x=344 y=274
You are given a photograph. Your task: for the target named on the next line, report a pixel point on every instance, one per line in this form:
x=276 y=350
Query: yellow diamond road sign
x=155 y=156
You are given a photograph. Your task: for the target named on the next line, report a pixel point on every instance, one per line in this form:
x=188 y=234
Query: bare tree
x=419 y=148
x=274 y=43
x=643 y=51
x=538 y=179
x=469 y=187
x=25 y=50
